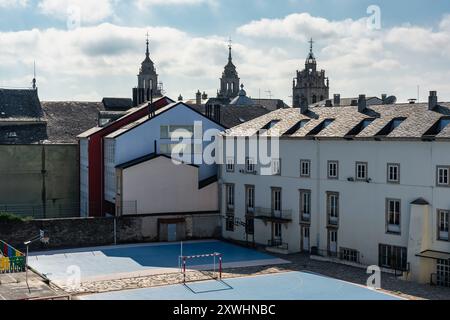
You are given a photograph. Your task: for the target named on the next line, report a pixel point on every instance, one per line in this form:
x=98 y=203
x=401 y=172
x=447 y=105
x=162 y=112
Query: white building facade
x=366 y=186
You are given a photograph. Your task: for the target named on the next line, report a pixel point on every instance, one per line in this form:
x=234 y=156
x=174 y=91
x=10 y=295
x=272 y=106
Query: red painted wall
x=96 y=169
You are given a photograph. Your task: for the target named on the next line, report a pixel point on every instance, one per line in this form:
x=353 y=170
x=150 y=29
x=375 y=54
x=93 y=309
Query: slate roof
x=271 y=104
x=67 y=119
x=418 y=120
x=117 y=104
x=20 y=104
x=231 y=116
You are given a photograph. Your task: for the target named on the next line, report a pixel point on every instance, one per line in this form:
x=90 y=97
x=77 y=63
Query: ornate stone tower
x=147 y=77
x=148 y=87
x=310 y=85
x=229 y=83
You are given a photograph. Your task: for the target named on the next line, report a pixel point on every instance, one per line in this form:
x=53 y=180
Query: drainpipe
x=43 y=191
x=318 y=194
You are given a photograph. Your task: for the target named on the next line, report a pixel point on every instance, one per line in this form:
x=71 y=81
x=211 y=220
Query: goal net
x=201 y=267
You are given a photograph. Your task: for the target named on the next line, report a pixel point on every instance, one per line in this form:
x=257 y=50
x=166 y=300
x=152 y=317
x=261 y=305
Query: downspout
x=44 y=190
x=318 y=196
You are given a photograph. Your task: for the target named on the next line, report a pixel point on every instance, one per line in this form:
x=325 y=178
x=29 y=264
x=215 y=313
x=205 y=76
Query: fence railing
x=279 y=244
x=11 y=259
x=267 y=213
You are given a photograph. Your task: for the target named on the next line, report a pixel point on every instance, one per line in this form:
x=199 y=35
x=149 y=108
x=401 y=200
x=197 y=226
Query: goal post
x=217 y=265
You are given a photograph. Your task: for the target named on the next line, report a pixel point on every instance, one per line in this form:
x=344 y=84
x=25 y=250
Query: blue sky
x=101 y=56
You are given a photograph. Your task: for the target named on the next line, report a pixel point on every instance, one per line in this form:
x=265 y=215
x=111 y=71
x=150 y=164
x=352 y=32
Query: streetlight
x=41 y=237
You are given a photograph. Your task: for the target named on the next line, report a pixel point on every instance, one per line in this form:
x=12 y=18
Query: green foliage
x=7 y=217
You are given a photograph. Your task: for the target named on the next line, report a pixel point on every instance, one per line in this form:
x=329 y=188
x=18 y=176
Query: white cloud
x=13 y=3
x=90 y=11
x=95 y=61
x=145 y=3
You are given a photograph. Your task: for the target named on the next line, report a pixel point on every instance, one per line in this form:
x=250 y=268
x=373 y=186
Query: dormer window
x=391 y=126
x=320 y=127
x=360 y=127
x=437 y=128
x=297 y=127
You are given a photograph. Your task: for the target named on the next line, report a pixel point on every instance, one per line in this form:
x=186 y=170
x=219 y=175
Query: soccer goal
x=213 y=270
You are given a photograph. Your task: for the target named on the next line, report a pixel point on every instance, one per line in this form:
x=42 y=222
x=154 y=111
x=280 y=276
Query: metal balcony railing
x=278 y=244
x=273 y=215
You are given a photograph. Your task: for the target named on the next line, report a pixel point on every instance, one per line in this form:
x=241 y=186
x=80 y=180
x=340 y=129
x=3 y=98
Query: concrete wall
x=39 y=180
x=85 y=232
x=160 y=186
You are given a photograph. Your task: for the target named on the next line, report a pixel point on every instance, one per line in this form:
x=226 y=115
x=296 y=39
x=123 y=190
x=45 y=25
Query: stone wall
x=85 y=232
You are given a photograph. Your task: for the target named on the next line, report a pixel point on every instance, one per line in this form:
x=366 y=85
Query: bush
x=6 y=216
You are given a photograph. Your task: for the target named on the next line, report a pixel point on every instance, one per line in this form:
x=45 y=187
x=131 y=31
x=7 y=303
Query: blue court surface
x=281 y=286
x=119 y=262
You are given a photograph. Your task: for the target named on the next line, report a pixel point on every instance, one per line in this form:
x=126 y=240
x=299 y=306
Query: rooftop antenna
x=418 y=93
x=34 y=75
x=269 y=94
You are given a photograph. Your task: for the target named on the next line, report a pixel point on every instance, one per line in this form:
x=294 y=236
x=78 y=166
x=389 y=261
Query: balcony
x=277 y=246
x=333 y=221
x=267 y=214
x=393 y=228
x=305 y=217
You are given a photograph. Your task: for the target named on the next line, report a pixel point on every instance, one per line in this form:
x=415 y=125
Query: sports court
x=281 y=286
x=129 y=261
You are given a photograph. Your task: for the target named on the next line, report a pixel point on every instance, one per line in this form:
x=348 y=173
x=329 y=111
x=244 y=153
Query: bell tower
x=310 y=85
x=229 y=83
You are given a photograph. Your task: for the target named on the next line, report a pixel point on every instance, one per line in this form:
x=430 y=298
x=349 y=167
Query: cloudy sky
x=85 y=50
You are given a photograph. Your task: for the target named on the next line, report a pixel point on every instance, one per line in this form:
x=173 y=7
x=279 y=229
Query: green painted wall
x=39 y=180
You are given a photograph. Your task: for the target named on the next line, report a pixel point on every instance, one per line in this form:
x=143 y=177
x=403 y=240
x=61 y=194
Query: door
x=277 y=234
x=305 y=239
x=332 y=240
x=171 y=232
x=443 y=273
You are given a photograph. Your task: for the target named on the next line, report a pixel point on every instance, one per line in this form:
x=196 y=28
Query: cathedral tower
x=229 y=83
x=310 y=85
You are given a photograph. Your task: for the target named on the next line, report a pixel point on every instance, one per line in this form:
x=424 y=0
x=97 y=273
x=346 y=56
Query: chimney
x=198 y=98
x=135 y=97
x=204 y=95
x=362 y=103
x=328 y=104
x=383 y=97
x=180 y=98
x=304 y=108
x=432 y=100
x=217 y=115
x=337 y=99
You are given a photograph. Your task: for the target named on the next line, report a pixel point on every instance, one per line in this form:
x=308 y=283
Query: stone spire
x=229 y=83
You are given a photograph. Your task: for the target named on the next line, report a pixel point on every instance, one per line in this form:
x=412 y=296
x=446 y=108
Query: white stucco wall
x=140 y=141
x=362 y=224
x=160 y=186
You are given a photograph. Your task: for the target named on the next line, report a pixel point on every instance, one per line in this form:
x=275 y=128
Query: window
x=230 y=165
x=393 y=257
x=250 y=226
x=305 y=168
x=305 y=205
x=443 y=273
x=333 y=207
x=175 y=148
x=393 y=173
x=250 y=199
x=230 y=197
x=361 y=171
x=333 y=170
x=393 y=215
x=350 y=255
x=277 y=231
x=276 y=167
x=443 y=179
x=250 y=165
x=443 y=217
x=176 y=131
x=230 y=223
x=276 y=200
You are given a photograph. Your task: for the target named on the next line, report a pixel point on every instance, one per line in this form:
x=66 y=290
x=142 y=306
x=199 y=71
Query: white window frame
x=250 y=166
x=305 y=205
x=250 y=199
x=305 y=164
x=393 y=173
x=360 y=165
x=230 y=197
x=333 y=207
x=276 y=200
x=393 y=216
x=230 y=165
x=276 y=167
x=333 y=169
x=443 y=176
x=443 y=225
